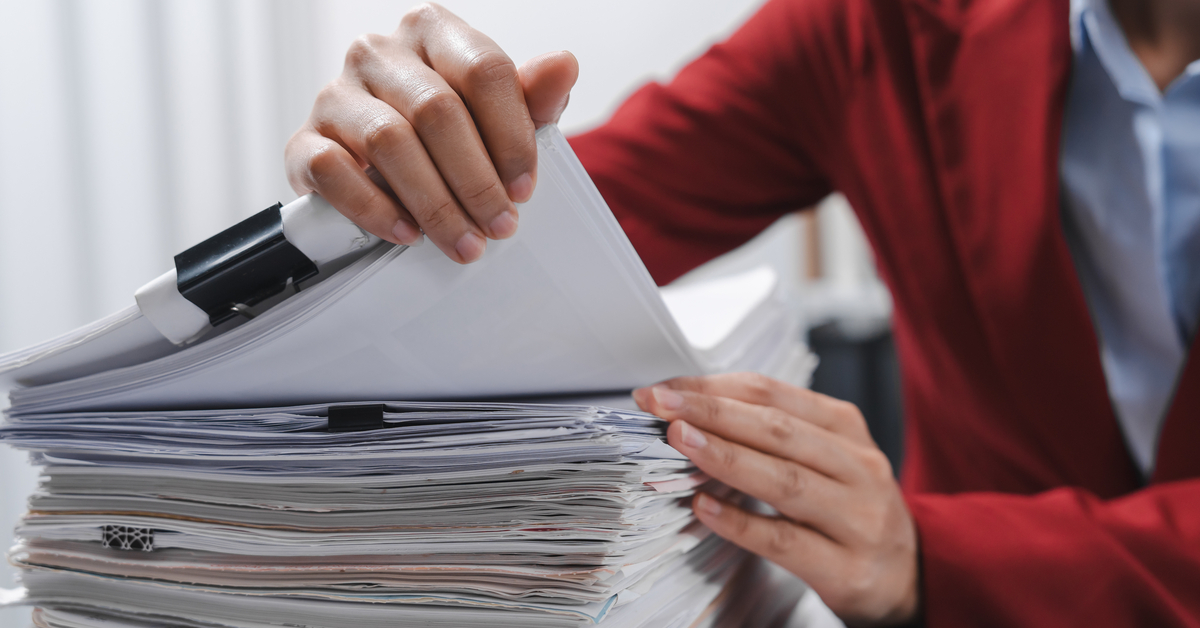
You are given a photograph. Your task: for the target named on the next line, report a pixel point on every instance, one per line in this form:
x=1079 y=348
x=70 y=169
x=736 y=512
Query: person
x=1028 y=173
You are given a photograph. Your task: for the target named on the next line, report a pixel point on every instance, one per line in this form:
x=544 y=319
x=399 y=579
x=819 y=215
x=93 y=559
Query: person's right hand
x=446 y=121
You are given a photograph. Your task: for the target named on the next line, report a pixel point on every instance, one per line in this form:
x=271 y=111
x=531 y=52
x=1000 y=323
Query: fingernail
x=405 y=232
x=708 y=505
x=667 y=398
x=691 y=436
x=521 y=188
x=470 y=247
x=504 y=225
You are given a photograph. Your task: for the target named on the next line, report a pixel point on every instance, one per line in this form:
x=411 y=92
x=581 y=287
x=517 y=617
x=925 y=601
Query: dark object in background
x=858 y=364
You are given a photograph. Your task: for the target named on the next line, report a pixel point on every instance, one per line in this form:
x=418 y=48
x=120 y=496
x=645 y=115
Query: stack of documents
x=213 y=484
x=459 y=514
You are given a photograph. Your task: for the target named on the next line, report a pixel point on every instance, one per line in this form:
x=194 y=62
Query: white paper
x=563 y=306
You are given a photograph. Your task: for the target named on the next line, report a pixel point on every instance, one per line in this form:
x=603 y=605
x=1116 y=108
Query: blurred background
x=132 y=129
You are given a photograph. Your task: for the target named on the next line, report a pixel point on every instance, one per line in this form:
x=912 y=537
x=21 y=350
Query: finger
x=769 y=430
x=398 y=77
x=802 y=551
x=547 y=80
x=832 y=414
x=486 y=78
x=382 y=137
x=794 y=490
x=318 y=164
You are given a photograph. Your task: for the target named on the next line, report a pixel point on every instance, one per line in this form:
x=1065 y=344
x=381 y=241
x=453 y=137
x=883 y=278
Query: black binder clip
x=356 y=418
x=241 y=266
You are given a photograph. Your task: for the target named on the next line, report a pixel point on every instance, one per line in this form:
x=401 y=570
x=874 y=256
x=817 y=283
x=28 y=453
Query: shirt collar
x=1093 y=26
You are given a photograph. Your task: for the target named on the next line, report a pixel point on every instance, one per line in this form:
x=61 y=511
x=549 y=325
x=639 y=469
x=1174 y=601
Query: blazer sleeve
x=1061 y=558
x=697 y=166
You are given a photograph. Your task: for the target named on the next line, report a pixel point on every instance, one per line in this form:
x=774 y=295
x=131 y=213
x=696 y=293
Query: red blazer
x=940 y=122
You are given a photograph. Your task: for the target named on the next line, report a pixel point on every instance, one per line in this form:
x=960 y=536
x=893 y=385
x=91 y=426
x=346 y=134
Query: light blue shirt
x=1130 y=173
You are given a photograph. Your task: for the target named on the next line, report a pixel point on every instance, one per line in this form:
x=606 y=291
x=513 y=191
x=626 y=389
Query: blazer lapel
x=994 y=79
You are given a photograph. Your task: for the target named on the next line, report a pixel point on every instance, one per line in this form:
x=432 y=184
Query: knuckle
x=706 y=408
x=489 y=67
x=688 y=383
x=846 y=413
x=760 y=387
x=782 y=427
x=384 y=136
x=323 y=165
x=421 y=14
x=876 y=463
x=726 y=456
x=844 y=409
x=327 y=97
x=741 y=526
x=481 y=192
x=756 y=388
x=363 y=50
x=435 y=109
x=858 y=421
x=521 y=154
x=782 y=539
x=793 y=483
x=436 y=217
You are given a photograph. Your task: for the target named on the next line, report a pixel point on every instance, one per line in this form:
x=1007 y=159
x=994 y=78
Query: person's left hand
x=843 y=526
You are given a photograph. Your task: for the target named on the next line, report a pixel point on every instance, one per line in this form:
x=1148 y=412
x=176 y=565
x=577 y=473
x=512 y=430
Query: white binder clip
x=228 y=274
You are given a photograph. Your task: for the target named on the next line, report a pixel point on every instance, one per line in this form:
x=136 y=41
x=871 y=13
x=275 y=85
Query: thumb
x=547 y=80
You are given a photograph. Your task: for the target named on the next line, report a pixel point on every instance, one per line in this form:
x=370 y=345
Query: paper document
x=466 y=514
x=565 y=306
